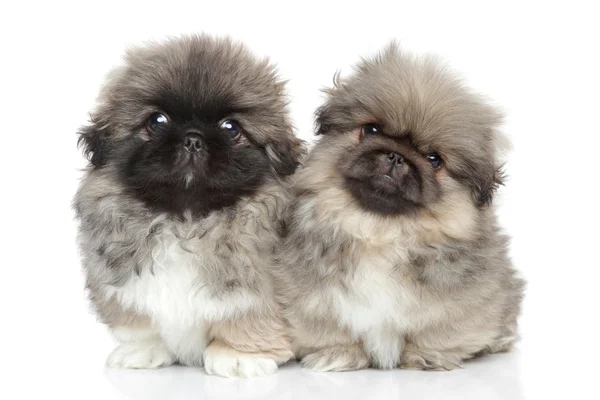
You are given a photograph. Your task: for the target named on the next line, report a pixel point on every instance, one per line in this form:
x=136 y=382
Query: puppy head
x=405 y=135
x=193 y=123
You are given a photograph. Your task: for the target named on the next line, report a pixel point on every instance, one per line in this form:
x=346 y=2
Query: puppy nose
x=395 y=158
x=193 y=142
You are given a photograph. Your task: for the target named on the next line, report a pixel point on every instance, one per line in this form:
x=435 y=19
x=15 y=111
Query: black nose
x=395 y=159
x=193 y=142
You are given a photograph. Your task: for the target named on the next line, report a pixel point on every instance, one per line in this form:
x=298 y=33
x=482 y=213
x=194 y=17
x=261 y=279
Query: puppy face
x=388 y=174
x=404 y=136
x=192 y=124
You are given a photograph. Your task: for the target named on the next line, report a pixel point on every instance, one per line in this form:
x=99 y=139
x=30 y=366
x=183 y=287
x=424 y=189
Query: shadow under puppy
x=189 y=148
x=393 y=256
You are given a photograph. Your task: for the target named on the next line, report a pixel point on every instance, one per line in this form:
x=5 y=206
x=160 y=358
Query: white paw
x=140 y=355
x=231 y=363
x=336 y=359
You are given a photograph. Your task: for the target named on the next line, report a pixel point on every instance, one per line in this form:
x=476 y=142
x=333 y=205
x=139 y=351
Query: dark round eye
x=232 y=128
x=156 y=121
x=370 y=129
x=435 y=160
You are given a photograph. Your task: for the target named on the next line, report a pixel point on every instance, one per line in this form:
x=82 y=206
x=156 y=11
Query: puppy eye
x=435 y=160
x=232 y=128
x=370 y=129
x=156 y=121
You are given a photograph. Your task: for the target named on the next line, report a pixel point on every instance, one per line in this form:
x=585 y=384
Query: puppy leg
x=322 y=345
x=345 y=357
x=140 y=347
x=384 y=347
x=505 y=340
x=431 y=360
x=188 y=343
x=222 y=359
x=250 y=346
x=446 y=349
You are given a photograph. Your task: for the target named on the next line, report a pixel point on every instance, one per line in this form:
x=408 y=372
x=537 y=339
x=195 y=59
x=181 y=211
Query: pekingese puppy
x=189 y=149
x=393 y=255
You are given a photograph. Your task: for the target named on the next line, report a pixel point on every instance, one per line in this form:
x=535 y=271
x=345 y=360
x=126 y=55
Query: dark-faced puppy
x=189 y=148
x=393 y=256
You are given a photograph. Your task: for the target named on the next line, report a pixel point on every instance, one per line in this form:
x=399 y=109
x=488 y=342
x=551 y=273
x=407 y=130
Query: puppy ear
x=93 y=140
x=333 y=116
x=285 y=154
x=486 y=184
x=323 y=119
x=331 y=113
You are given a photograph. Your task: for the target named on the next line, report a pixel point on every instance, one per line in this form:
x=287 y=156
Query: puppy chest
x=372 y=300
x=177 y=289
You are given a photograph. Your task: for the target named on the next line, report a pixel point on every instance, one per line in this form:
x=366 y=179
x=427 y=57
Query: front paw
x=338 y=358
x=141 y=355
x=430 y=360
x=223 y=360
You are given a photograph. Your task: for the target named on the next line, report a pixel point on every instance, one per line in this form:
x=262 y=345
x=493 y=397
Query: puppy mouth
x=385 y=183
x=188 y=179
x=382 y=194
x=386 y=179
x=188 y=161
x=380 y=185
x=191 y=159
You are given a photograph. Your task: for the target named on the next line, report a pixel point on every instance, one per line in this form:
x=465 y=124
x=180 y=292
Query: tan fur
x=259 y=334
x=425 y=289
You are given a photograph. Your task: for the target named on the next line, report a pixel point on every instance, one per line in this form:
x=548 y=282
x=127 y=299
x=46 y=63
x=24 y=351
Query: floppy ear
x=323 y=119
x=93 y=140
x=334 y=116
x=485 y=184
x=331 y=113
x=285 y=154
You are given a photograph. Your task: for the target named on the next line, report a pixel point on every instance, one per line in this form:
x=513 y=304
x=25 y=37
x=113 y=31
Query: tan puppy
x=393 y=256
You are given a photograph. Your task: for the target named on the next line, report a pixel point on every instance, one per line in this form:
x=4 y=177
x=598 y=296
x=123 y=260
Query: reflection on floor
x=492 y=377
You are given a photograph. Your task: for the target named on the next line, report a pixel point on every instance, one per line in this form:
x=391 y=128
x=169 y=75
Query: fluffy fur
x=189 y=149
x=393 y=256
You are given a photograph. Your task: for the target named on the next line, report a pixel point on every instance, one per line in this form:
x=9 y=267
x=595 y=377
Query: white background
x=538 y=61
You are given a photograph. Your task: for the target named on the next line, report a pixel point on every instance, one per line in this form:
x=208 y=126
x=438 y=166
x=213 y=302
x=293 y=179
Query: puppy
x=189 y=149
x=393 y=256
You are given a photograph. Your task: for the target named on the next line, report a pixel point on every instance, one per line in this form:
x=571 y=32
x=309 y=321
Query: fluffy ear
x=484 y=184
x=285 y=154
x=93 y=140
x=323 y=119
x=331 y=113
x=333 y=116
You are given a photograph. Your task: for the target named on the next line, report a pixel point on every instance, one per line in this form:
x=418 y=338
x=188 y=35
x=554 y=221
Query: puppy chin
x=384 y=182
x=188 y=179
x=190 y=169
x=381 y=194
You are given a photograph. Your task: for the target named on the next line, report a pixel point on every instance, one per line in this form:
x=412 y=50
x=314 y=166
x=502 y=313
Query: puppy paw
x=222 y=360
x=430 y=360
x=338 y=358
x=141 y=355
